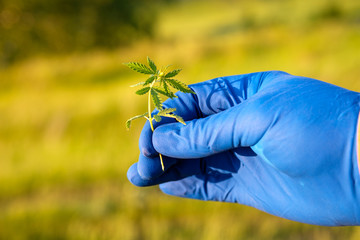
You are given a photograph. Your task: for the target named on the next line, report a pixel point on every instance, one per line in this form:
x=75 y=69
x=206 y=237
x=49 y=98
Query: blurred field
x=64 y=150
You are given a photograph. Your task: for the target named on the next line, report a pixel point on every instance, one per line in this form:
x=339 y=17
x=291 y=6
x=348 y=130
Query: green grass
x=64 y=150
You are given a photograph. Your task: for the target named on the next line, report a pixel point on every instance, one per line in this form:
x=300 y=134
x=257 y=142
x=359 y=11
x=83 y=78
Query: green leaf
x=149 y=80
x=172 y=115
x=142 y=91
x=138 y=84
x=179 y=85
x=168 y=91
x=158 y=84
x=180 y=119
x=165 y=111
x=157 y=118
x=152 y=64
x=139 y=67
x=128 y=122
x=163 y=92
x=156 y=99
x=173 y=73
x=169 y=115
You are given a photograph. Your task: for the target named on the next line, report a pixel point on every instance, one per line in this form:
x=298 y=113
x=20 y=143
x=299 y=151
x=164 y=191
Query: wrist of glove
x=281 y=143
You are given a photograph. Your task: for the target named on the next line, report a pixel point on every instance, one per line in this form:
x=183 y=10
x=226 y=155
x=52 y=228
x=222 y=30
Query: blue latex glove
x=280 y=143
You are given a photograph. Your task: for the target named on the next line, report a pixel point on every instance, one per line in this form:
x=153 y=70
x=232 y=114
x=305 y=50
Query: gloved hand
x=281 y=143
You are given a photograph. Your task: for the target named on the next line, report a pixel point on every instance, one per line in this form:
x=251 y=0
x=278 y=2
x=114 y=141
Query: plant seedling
x=159 y=83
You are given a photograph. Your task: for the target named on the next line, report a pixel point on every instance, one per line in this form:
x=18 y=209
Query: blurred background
x=64 y=98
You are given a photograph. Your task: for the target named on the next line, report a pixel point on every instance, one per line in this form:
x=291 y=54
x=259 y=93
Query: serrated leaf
x=156 y=85
x=128 y=122
x=149 y=80
x=163 y=92
x=169 y=115
x=138 y=84
x=166 y=87
x=180 y=119
x=139 y=67
x=157 y=118
x=172 y=115
x=179 y=85
x=152 y=64
x=168 y=91
x=166 y=111
x=173 y=73
x=156 y=99
x=142 y=91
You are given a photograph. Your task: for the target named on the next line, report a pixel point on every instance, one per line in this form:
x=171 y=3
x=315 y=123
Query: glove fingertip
x=134 y=177
x=149 y=168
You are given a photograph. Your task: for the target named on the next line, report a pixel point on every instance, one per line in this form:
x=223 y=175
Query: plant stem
x=150 y=120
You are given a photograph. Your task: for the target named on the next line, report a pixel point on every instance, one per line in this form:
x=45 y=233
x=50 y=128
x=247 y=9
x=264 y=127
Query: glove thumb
x=239 y=126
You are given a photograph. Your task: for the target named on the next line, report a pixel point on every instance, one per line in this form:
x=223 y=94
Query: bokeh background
x=64 y=98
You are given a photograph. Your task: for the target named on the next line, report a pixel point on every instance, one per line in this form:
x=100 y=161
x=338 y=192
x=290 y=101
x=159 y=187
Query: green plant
x=158 y=83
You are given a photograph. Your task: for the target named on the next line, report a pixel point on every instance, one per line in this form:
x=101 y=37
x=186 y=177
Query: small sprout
x=158 y=84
